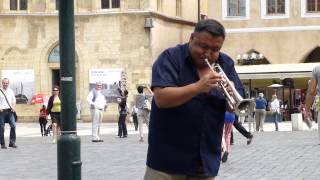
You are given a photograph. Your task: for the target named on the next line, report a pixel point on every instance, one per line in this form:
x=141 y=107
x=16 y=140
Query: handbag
x=13 y=112
x=147 y=105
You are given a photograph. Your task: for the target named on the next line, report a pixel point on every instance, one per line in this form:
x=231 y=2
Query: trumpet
x=234 y=100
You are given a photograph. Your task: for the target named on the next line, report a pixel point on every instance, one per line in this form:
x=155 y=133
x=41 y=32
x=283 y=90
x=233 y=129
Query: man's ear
x=192 y=36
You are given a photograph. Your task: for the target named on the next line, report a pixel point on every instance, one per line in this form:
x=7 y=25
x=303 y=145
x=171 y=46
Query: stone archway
x=313 y=56
x=50 y=60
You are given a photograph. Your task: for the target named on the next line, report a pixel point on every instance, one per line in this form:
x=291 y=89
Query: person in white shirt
x=275 y=109
x=97 y=102
x=7 y=107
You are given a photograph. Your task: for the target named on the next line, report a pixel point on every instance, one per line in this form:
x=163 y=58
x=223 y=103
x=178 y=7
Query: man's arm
x=311 y=93
x=13 y=101
x=89 y=98
x=174 y=96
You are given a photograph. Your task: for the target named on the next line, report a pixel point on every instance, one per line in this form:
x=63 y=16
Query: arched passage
x=313 y=56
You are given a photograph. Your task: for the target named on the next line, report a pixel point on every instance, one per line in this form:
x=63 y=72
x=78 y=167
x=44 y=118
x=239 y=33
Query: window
x=313 y=6
x=275 y=9
x=18 y=5
x=235 y=9
x=108 y=4
x=13 y=5
x=57 y=4
x=310 y=8
x=178 y=8
x=23 y=4
x=54 y=55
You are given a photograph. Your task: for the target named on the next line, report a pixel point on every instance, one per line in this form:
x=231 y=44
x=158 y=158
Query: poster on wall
x=112 y=82
x=21 y=82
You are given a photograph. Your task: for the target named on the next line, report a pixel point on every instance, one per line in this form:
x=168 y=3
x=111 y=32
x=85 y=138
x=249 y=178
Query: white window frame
x=225 y=16
x=264 y=14
x=110 y=9
x=304 y=12
x=19 y=7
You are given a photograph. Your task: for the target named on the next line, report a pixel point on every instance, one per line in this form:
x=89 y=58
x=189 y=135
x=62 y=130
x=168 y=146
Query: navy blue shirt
x=261 y=103
x=184 y=138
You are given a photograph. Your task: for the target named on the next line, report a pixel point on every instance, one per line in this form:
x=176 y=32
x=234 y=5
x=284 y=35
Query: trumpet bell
x=244 y=107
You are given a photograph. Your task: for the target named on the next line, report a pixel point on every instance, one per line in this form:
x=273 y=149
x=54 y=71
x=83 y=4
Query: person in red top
x=43 y=120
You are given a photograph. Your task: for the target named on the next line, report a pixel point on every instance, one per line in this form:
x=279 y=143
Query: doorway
x=55 y=77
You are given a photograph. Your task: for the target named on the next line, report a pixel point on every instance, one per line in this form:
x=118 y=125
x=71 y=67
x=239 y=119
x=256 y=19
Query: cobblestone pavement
x=272 y=155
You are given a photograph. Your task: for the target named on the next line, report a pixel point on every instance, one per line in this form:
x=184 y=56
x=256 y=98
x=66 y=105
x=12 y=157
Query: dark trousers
x=122 y=131
x=43 y=123
x=135 y=121
x=240 y=128
x=6 y=116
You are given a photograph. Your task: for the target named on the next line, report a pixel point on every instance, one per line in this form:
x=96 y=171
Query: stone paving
x=272 y=155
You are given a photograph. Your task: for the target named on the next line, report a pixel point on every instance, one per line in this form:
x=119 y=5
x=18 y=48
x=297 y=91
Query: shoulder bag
x=13 y=112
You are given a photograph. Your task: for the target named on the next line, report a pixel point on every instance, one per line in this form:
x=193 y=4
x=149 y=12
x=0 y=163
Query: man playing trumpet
x=187 y=114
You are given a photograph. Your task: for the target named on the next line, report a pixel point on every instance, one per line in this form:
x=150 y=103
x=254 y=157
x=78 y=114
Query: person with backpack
x=97 y=102
x=43 y=116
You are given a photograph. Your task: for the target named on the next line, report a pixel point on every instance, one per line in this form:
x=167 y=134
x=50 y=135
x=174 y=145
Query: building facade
x=116 y=40
x=272 y=42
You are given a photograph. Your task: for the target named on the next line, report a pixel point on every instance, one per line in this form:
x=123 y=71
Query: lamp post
x=68 y=146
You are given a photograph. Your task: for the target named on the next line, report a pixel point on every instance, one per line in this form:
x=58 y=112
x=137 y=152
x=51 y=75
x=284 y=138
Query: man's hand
x=209 y=81
x=307 y=114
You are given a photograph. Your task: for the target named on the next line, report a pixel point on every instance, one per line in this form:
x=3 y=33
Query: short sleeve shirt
x=187 y=138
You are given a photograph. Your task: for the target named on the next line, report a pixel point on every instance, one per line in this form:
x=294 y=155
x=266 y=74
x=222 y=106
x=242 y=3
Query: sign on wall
x=21 y=82
x=110 y=79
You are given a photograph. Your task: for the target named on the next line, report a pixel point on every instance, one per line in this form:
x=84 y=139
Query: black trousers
x=43 y=123
x=122 y=131
x=240 y=128
x=135 y=121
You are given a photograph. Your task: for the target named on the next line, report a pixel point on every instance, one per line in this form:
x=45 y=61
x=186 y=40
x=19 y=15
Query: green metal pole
x=68 y=146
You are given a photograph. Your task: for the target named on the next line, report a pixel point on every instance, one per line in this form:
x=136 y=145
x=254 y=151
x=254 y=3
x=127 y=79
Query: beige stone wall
x=279 y=46
x=103 y=40
x=166 y=35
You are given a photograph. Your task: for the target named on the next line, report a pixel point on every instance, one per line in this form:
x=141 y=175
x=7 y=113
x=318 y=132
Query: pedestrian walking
x=54 y=109
x=260 y=113
x=275 y=109
x=242 y=130
x=7 y=109
x=134 y=115
x=188 y=108
x=226 y=137
x=98 y=104
x=143 y=111
x=43 y=116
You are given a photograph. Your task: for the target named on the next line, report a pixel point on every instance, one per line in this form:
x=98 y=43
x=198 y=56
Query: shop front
x=288 y=81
